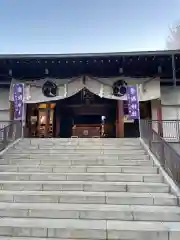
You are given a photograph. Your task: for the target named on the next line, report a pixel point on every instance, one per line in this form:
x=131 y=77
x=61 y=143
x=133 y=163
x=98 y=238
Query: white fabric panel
x=33 y=89
x=62 y=91
x=93 y=85
x=131 y=81
x=99 y=86
x=107 y=91
x=74 y=87
x=150 y=90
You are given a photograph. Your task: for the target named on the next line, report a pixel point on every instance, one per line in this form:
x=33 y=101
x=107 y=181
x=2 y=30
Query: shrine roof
x=122 y=64
x=92 y=55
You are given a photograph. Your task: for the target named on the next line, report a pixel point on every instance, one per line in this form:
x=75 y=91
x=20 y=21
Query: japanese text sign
x=133 y=102
x=18 y=90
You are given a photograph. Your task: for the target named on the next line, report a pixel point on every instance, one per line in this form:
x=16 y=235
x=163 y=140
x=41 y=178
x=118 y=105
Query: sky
x=82 y=26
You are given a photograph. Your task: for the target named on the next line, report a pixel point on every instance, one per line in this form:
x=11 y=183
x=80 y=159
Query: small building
x=83 y=95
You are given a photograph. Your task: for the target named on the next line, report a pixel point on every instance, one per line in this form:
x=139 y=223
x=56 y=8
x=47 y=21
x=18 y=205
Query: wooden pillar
x=159 y=117
x=48 y=112
x=57 y=132
x=11 y=110
x=120 y=119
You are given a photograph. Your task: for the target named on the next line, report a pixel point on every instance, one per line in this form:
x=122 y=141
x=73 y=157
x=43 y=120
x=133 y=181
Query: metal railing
x=10 y=133
x=168 y=129
x=4 y=123
x=168 y=157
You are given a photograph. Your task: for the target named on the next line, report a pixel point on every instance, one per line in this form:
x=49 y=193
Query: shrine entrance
x=86 y=115
x=83 y=115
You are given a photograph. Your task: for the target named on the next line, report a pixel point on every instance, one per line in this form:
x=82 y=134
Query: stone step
x=125 y=198
x=90 y=155
x=35 y=238
x=101 y=177
x=88 y=229
x=94 y=145
x=82 y=141
x=90 y=211
x=79 y=151
x=77 y=146
x=75 y=158
x=79 y=169
x=68 y=162
x=85 y=186
x=135 y=230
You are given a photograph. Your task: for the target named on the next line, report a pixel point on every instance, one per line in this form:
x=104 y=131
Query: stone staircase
x=84 y=189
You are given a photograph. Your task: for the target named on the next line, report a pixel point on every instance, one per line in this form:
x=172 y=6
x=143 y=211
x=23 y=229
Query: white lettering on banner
x=134 y=106
x=19 y=90
x=132 y=90
x=133 y=99
x=20 y=97
x=133 y=114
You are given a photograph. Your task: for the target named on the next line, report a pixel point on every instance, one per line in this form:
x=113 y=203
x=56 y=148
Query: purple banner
x=133 y=102
x=18 y=101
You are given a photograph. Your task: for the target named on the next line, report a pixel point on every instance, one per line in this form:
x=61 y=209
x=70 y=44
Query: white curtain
x=93 y=85
x=74 y=87
x=102 y=87
x=99 y=86
x=33 y=89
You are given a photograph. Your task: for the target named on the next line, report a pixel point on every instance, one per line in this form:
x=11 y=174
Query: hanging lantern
x=46 y=71
x=10 y=72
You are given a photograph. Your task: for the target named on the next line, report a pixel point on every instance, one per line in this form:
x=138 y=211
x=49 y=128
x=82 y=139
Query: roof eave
x=75 y=55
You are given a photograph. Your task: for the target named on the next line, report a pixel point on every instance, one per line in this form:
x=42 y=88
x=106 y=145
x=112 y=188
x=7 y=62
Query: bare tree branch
x=173 y=41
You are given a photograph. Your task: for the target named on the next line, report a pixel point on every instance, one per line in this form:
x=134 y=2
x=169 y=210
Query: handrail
x=10 y=133
x=8 y=125
x=168 y=129
x=168 y=157
x=166 y=143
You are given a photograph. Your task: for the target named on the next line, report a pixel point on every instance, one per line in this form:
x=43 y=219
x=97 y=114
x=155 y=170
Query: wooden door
x=46 y=120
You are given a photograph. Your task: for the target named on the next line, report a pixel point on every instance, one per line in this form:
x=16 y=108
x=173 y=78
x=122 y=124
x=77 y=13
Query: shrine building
x=84 y=95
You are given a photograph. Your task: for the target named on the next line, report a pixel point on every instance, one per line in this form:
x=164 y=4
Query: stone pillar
x=120 y=119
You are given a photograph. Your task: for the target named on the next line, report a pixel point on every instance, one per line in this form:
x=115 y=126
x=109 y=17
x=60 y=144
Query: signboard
x=133 y=102
x=127 y=119
x=18 y=90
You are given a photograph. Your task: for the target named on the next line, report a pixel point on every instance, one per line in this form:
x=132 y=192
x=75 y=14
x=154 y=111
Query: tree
x=173 y=41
